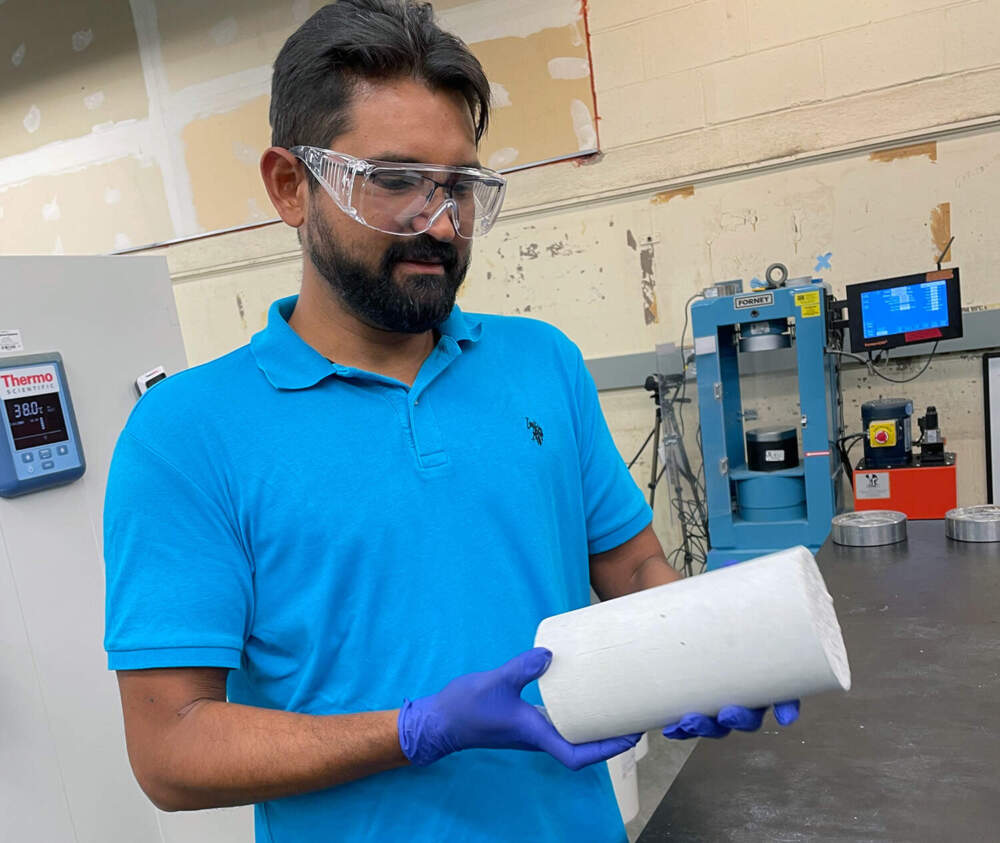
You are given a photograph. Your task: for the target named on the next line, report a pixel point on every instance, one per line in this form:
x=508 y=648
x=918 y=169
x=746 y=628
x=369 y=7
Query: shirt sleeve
x=616 y=510
x=179 y=587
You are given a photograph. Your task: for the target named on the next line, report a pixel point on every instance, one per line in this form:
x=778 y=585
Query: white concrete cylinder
x=751 y=634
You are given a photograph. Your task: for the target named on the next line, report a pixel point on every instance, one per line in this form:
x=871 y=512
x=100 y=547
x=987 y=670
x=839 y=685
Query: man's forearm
x=652 y=572
x=220 y=754
x=633 y=566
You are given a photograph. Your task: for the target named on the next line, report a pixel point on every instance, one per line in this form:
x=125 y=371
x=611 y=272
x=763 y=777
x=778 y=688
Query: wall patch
x=941 y=230
x=912 y=151
x=665 y=196
x=649 y=306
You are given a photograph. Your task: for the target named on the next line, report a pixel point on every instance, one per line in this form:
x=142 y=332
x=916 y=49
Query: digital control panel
x=904 y=311
x=40 y=445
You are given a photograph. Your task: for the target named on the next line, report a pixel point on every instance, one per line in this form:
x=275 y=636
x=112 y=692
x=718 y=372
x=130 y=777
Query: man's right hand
x=485 y=711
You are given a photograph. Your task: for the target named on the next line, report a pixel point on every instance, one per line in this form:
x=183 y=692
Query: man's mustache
x=422 y=249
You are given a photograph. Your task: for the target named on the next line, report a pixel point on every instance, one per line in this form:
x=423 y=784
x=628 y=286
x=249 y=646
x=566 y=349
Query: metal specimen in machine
x=772 y=449
x=769 y=335
x=869 y=529
x=973 y=523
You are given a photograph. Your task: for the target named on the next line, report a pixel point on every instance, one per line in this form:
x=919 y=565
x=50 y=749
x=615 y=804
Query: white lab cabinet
x=64 y=772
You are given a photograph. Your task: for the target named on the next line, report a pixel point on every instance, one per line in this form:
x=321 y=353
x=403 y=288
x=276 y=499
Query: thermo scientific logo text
x=26 y=380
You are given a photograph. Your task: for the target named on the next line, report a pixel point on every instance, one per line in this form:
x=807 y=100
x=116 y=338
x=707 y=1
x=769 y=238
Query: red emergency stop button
x=881 y=436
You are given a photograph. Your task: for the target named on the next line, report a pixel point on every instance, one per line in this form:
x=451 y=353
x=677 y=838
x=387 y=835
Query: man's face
x=399 y=284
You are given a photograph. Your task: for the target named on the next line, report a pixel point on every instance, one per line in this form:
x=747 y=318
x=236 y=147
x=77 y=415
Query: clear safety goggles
x=407 y=199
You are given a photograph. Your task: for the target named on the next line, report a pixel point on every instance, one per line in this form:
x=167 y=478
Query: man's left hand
x=729 y=718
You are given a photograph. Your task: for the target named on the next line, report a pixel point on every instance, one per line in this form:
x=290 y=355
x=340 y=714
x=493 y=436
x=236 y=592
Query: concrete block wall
x=753 y=57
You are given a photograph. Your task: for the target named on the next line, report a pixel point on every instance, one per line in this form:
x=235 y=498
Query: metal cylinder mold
x=973 y=523
x=869 y=529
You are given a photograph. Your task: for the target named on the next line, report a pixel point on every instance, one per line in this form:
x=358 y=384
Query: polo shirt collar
x=461 y=327
x=289 y=362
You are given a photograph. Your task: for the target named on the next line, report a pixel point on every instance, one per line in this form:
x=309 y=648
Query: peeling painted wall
x=846 y=219
x=118 y=204
x=65 y=67
x=118 y=87
x=544 y=101
x=181 y=88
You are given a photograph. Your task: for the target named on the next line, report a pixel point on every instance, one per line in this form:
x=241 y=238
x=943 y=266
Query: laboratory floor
x=656 y=772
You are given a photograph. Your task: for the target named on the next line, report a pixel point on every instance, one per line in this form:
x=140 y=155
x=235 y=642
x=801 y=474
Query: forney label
x=754 y=300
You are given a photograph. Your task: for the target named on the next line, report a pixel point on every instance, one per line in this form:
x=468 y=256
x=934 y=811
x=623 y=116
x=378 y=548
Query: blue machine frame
x=752 y=513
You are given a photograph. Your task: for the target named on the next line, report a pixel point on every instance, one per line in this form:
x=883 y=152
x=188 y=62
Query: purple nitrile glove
x=731 y=717
x=485 y=711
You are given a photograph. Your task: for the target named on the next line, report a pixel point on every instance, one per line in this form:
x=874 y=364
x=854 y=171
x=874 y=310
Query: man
x=321 y=546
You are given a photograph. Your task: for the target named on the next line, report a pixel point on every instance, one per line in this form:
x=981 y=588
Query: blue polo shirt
x=341 y=540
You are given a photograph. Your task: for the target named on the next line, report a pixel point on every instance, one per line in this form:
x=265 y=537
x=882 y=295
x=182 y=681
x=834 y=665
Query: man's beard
x=417 y=304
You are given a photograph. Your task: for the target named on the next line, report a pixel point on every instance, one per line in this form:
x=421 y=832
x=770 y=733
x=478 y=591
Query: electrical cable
x=863 y=361
x=690 y=513
x=872 y=369
x=845 y=456
x=701 y=468
x=684 y=361
x=687 y=512
x=687 y=306
x=918 y=374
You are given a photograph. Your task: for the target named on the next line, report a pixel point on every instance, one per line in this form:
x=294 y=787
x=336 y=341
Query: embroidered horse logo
x=536 y=430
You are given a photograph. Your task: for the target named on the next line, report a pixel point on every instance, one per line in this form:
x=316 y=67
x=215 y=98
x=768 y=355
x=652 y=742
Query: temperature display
x=37 y=420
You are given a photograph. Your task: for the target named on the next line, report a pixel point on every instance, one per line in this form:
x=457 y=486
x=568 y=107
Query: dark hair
x=318 y=69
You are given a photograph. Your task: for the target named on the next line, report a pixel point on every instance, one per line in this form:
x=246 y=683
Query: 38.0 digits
x=25 y=409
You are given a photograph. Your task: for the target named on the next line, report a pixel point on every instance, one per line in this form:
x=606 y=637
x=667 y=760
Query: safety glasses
x=407 y=199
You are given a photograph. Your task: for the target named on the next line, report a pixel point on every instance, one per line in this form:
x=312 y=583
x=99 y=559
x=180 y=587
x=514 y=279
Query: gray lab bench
x=912 y=753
